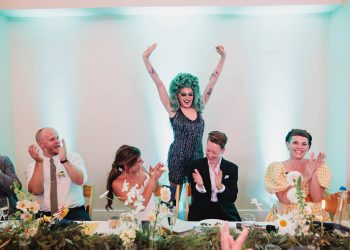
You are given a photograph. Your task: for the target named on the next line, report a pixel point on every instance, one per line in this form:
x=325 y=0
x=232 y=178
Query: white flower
x=292 y=195
x=34 y=206
x=293 y=176
x=307 y=210
x=133 y=191
x=104 y=195
x=285 y=225
x=127 y=236
x=165 y=194
x=125 y=186
x=23 y=205
x=26 y=216
x=138 y=204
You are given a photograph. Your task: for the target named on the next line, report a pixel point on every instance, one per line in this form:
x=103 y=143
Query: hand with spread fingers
x=228 y=243
x=34 y=153
x=218 y=179
x=149 y=51
x=63 y=151
x=197 y=178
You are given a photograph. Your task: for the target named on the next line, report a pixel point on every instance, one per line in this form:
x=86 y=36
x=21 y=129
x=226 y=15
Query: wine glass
x=171 y=218
x=248 y=220
x=4 y=206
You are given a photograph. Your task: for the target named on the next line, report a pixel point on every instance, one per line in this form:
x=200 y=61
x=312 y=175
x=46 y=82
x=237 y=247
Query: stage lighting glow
x=57 y=96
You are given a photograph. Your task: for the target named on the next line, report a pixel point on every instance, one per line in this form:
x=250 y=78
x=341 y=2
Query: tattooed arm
x=215 y=75
x=163 y=94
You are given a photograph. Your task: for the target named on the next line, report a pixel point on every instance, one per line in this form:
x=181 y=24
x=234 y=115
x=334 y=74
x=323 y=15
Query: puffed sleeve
x=324 y=176
x=275 y=178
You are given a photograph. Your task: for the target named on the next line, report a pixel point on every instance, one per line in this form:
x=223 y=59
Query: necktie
x=53 y=188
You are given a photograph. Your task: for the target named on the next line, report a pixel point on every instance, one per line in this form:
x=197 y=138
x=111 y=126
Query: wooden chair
x=89 y=194
x=332 y=202
x=188 y=199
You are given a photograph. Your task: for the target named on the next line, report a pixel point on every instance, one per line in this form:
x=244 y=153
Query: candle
x=323 y=206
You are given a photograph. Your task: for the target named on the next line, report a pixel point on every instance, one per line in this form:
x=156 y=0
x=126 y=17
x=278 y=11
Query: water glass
x=4 y=206
x=248 y=220
x=272 y=247
x=171 y=218
x=113 y=221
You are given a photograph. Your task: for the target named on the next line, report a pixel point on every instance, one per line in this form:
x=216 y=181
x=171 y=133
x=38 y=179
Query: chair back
x=89 y=195
x=332 y=202
x=188 y=199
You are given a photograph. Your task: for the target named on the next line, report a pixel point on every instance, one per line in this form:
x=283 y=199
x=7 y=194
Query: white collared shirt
x=68 y=193
x=214 y=190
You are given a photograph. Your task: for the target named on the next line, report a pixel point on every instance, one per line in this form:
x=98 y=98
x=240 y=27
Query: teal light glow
x=176 y=10
x=58 y=98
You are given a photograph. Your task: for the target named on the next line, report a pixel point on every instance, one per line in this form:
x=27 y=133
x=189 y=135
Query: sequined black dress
x=187 y=144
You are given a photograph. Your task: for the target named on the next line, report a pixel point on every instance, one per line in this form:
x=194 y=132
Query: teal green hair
x=185 y=80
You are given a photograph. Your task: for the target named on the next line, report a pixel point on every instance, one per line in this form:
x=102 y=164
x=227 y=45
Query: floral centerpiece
x=24 y=225
x=135 y=202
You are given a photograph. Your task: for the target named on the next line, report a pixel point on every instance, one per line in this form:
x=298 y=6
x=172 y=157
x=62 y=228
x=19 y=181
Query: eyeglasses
x=186 y=94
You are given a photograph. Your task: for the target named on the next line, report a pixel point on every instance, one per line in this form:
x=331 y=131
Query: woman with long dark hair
x=128 y=172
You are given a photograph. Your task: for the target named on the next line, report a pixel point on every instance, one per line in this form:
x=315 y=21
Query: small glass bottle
x=341 y=216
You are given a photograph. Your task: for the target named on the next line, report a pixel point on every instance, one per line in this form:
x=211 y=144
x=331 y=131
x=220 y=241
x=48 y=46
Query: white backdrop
x=85 y=77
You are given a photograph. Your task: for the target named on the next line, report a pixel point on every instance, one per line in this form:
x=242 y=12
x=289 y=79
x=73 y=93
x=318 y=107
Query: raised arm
x=163 y=94
x=215 y=75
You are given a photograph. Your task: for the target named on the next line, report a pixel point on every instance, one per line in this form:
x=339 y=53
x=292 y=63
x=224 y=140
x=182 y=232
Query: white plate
x=211 y=222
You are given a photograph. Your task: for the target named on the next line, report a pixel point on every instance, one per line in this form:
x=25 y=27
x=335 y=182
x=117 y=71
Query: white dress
x=142 y=216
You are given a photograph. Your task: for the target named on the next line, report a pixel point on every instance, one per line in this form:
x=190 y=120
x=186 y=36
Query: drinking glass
x=113 y=221
x=171 y=218
x=248 y=220
x=4 y=206
x=272 y=247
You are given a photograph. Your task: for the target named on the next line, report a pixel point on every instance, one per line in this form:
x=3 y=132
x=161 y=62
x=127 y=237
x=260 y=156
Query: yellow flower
x=151 y=217
x=47 y=218
x=62 y=212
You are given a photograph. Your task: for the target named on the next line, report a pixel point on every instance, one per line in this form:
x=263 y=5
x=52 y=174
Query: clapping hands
x=314 y=164
x=156 y=171
x=197 y=178
x=34 y=153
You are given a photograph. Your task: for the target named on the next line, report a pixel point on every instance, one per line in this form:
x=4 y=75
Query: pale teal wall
x=6 y=120
x=338 y=95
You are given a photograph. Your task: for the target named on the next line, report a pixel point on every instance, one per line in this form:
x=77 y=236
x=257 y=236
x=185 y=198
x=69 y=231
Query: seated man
x=214 y=183
x=57 y=177
x=7 y=178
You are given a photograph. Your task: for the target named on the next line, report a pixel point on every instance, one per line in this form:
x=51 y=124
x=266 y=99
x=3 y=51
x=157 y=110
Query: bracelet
x=64 y=161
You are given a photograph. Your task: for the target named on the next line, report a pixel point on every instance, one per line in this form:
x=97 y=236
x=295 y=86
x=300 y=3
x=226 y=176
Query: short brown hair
x=299 y=132
x=218 y=137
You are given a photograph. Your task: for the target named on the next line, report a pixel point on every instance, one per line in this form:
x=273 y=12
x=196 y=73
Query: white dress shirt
x=68 y=193
x=214 y=190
